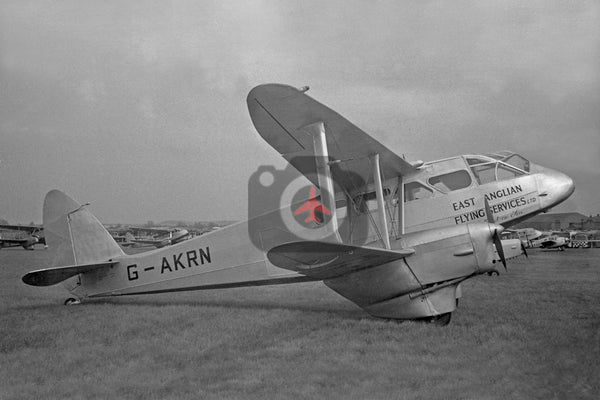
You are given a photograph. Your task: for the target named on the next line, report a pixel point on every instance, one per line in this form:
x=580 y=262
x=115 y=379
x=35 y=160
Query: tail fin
x=74 y=233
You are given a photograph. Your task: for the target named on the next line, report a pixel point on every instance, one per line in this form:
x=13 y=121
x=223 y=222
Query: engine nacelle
x=424 y=284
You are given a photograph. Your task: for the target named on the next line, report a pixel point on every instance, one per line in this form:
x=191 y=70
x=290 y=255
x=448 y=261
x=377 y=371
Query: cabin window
x=368 y=201
x=484 y=173
x=416 y=191
x=340 y=209
x=452 y=181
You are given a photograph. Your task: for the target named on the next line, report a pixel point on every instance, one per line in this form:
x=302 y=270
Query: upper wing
x=146 y=241
x=25 y=228
x=280 y=112
x=52 y=276
x=13 y=241
x=152 y=230
x=323 y=260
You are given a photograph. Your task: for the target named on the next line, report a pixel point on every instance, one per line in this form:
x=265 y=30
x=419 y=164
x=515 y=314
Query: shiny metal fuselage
x=229 y=258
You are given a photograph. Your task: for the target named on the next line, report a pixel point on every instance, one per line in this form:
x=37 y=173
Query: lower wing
x=324 y=260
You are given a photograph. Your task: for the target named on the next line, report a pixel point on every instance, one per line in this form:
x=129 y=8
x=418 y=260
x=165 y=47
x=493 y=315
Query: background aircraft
x=526 y=235
x=159 y=237
x=401 y=237
x=552 y=240
x=25 y=236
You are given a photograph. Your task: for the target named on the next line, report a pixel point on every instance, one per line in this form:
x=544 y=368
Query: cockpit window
x=500 y=155
x=476 y=161
x=506 y=172
x=511 y=158
x=486 y=171
x=367 y=201
x=517 y=161
x=452 y=181
x=416 y=191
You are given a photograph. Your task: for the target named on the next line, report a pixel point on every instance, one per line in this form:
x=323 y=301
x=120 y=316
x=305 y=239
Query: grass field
x=531 y=333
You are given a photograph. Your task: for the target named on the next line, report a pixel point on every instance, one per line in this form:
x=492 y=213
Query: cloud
x=135 y=89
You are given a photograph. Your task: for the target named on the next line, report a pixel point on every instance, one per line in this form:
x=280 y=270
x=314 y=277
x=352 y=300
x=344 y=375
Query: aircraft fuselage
x=229 y=258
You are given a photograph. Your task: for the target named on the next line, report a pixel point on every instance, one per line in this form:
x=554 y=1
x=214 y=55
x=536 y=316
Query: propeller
x=495 y=236
x=523 y=249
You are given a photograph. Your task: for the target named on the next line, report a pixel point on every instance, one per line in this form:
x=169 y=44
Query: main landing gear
x=438 y=320
x=71 y=301
x=441 y=320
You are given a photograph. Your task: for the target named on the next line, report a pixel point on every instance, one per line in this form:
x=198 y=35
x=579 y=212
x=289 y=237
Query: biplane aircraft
x=526 y=235
x=552 y=240
x=162 y=237
x=398 y=237
x=25 y=236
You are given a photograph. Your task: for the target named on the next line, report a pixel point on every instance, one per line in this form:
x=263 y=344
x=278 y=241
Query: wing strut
x=317 y=130
x=380 y=202
x=400 y=204
x=396 y=209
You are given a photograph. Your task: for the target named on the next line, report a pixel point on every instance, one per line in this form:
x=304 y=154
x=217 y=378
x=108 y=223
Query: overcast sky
x=140 y=107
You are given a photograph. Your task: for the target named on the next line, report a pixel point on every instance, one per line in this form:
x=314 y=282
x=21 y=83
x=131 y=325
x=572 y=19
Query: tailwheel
x=72 y=301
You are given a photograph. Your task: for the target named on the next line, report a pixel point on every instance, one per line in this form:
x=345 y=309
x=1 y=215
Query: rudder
x=74 y=233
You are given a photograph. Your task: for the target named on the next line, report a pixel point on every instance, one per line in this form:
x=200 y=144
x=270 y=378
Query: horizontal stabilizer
x=52 y=276
x=323 y=260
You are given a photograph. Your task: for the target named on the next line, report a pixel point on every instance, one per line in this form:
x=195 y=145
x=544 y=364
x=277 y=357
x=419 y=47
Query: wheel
x=442 y=319
x=72 y=301
x=438 y=320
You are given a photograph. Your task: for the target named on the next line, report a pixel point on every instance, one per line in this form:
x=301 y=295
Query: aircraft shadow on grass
x=258 y=305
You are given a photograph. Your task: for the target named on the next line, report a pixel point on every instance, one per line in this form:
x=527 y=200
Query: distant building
x=587 y=224
x=556 y=222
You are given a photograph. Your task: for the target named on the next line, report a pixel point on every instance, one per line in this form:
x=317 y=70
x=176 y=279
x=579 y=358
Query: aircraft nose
x=554 y=187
